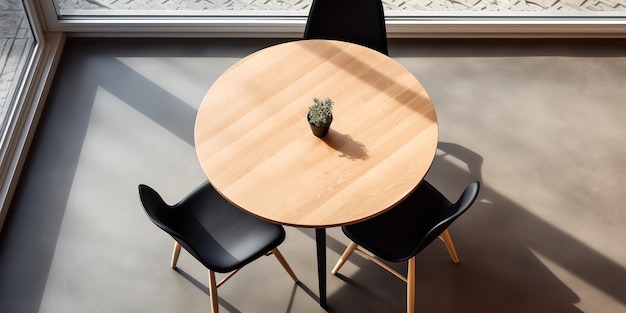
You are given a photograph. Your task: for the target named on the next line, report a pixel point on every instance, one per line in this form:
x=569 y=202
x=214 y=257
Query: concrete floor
x=539 y=122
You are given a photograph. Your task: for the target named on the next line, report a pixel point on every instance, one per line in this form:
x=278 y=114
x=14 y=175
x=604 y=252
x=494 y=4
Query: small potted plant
x=320 y=116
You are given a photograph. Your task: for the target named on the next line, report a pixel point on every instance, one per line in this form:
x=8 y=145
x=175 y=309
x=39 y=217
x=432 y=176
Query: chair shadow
x=205 y=289
x=230 y=307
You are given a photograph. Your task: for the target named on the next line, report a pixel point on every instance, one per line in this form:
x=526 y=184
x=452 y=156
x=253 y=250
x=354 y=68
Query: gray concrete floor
x=539 y=122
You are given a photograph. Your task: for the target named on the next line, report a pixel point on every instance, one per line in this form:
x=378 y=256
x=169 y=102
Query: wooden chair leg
x=283 y=262
x=175 y=254
x=344 y=257
x=447 y=240
x=213 y=292
x=410 y=287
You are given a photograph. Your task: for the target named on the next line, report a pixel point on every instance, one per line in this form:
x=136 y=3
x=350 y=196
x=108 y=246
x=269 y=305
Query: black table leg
x=320 y=240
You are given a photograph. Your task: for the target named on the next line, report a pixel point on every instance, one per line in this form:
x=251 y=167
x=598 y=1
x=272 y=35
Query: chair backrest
x=177 y=220
x=218 y=234
x=357 y=21
x=456 y=209
x=159 y=212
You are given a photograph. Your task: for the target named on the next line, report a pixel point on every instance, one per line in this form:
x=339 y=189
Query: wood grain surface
x=255 y=145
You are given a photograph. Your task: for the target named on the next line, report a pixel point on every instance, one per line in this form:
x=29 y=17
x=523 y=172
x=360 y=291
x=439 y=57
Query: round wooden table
x=256 y=148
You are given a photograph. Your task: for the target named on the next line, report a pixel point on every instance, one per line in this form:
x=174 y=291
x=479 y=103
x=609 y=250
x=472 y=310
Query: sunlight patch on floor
x=588 y=293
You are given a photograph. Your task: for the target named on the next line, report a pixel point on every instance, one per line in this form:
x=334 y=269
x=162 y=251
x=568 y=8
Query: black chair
x=357 y=21
x=222 y=237
x=401 y=233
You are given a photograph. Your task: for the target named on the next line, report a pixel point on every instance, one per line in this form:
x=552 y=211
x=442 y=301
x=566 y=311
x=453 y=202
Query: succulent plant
x=321 y=112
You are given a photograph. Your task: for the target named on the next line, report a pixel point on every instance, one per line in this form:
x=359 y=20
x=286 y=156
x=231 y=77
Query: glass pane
x=208 y=7
x=16 y=46
x=216 y=5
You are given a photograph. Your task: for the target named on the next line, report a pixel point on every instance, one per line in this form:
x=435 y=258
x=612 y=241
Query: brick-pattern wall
x=390 y=5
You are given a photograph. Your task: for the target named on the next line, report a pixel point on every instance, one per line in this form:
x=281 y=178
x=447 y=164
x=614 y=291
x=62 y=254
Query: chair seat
x=394 y=235
x=402 y=232
x=230 y=241
x=221 y=236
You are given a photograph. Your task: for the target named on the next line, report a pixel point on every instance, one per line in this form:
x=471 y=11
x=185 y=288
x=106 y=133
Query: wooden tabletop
x=255 y=145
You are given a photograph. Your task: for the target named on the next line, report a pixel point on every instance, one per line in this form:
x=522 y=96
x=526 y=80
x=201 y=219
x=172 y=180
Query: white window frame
x=291 y=24
x=23 y=115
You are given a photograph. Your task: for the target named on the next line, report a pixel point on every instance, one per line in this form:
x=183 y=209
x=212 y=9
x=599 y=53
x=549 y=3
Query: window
x=282 y=18
x=17 y=43
x=24 y=64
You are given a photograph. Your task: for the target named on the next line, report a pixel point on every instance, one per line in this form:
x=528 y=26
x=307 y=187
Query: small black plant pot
x=320 y=131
